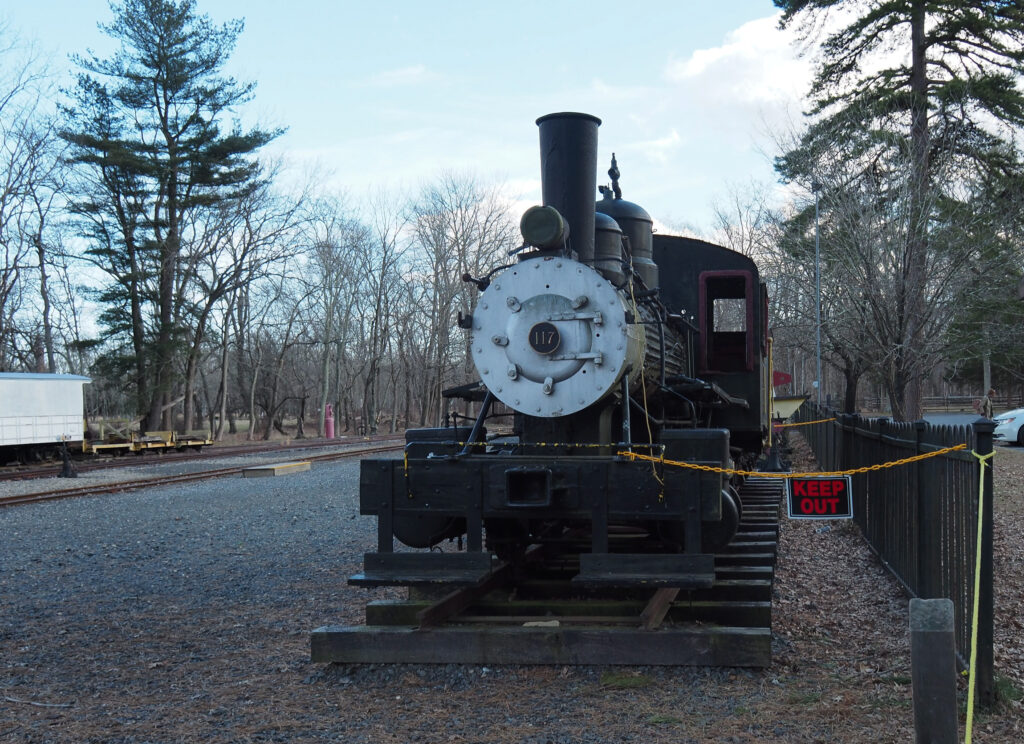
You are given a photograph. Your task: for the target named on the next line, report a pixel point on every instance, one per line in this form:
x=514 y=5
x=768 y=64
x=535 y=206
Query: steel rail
x=121 y=486
x=15 y=473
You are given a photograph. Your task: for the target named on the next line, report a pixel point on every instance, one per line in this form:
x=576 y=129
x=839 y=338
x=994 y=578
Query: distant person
x=986 y=403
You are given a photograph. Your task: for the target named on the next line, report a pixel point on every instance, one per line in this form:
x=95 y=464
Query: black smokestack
x=568 y=168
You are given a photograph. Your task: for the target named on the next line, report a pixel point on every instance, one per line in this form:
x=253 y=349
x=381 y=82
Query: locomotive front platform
x=542 y=618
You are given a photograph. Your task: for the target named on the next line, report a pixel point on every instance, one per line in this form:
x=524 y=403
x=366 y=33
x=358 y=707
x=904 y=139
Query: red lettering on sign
x=807 y=506
x=799 y=488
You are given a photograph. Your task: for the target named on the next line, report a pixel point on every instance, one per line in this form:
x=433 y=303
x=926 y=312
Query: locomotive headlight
x=543 y=227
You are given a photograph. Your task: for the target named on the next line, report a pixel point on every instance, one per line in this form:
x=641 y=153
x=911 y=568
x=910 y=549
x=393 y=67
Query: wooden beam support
x=697 y=646
x=655 y=611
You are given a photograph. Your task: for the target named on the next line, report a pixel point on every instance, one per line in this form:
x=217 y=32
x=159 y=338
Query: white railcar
x=40 y=409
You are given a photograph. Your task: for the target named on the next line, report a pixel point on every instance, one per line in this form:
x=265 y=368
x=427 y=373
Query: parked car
x=1010 y=427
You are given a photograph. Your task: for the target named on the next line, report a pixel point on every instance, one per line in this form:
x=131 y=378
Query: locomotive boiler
x=632 y=367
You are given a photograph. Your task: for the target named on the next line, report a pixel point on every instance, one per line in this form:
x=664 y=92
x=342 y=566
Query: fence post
x=929 y=550
x=848 y=424
x=933 y=670
x=983 y=666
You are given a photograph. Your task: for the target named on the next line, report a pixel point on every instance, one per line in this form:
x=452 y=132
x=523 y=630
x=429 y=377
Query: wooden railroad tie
x=274 y=469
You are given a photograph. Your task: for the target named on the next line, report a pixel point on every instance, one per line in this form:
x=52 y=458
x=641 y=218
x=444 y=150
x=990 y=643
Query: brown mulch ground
x=181 y=616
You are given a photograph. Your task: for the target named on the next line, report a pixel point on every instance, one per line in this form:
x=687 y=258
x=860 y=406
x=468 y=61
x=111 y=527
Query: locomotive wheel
x=734 y=491
x=506 y=538
x=716 y=535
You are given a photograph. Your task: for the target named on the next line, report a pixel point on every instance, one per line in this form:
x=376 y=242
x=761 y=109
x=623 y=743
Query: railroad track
x=543 y=619
x=163 y=480
x=104 y=462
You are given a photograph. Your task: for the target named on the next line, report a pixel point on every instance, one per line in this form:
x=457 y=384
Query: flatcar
x=633 y=368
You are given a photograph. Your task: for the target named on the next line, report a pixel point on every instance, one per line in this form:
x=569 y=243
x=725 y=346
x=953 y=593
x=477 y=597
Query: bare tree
x=335 y=240
x=460 y=227
x=31 y=186
x=379 y=276
x=232 y=246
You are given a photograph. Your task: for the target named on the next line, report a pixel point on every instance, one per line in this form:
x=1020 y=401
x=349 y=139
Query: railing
x=921 y=519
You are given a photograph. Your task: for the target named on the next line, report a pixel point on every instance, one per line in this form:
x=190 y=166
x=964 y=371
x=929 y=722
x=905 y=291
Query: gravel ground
x=182 y=614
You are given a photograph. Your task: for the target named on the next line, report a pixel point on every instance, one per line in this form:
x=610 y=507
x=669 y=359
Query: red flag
x=781 y=378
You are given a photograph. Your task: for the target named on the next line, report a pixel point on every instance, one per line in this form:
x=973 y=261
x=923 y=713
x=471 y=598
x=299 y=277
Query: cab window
x=726 y=321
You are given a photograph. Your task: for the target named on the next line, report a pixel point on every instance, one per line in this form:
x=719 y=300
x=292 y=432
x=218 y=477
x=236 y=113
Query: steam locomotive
x=617 y=353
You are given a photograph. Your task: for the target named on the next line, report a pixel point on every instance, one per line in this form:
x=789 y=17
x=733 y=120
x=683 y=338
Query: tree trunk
x=917 y=230
x=299 y=431
x=325 y=390
x=44 y=294
x=852 y=378
x=222 y=387
x=986 y=367
x=252 y=403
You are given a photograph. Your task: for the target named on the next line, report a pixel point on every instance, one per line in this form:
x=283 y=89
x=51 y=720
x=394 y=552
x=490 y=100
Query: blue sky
x=389 y=94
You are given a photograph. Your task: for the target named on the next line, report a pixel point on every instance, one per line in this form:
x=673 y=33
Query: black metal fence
x=920 y=518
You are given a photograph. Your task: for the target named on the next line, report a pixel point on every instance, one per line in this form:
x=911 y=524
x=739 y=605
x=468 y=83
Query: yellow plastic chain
x=629 y=454
x=759 y=474
x=804 y=423
x=982 y=462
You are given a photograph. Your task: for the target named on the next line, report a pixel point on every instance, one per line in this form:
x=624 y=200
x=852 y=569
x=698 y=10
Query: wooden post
x=984 y=664
x=933 y=670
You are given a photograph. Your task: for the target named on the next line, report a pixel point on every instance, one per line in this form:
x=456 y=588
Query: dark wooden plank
x=752 y=546
x=384 y=569
x=533 y=620
x=674 y=570
x=744 y=559
x=723 y=612
x=743 y=572
x=698 y=646
x=657 y=608
x=760 y=535
x=736 y=589
x=459 y=599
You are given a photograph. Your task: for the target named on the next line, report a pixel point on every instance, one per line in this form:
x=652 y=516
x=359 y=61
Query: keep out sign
x=820 y=498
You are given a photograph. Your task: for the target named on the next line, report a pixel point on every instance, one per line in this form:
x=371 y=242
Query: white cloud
x=658 y=150
x=757 y=63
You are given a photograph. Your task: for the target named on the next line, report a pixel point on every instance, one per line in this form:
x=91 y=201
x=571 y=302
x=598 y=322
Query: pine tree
x=147 y=130
x=922 y=95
